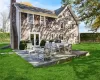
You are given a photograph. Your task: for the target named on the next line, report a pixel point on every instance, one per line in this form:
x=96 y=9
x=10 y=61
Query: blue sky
x=47 y=4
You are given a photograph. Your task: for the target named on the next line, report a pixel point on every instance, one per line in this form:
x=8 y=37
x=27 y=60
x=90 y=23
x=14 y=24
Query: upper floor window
x=42 y=20
x=37 y=19
x=30 y=18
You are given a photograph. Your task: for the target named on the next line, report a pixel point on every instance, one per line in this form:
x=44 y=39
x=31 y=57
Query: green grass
x=5 y=50
x=3 y=44
x=12 y=67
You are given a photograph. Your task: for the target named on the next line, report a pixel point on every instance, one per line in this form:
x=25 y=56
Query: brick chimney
x=13 y=28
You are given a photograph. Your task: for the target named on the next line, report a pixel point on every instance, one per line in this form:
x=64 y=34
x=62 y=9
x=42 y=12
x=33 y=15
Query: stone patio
x=59 y=58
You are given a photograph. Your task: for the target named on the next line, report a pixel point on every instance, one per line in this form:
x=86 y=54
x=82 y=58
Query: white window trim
x=35 y=36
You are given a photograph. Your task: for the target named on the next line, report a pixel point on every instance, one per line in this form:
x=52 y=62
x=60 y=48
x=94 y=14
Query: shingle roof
x=35 y=9
x=58 y=11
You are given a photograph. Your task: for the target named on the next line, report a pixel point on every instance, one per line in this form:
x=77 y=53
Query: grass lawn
x=12 y=67
x=5 y=50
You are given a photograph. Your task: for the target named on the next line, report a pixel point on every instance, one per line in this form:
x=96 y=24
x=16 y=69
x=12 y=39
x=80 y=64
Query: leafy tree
x=88 y=11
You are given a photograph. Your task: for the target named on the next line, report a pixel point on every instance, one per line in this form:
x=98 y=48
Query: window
x=61 y=37
x=62 y=25
x=42 y=20
x=36 y=19
x=30 y=18
x=49 y=21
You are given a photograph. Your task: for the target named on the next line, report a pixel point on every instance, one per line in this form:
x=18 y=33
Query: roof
x=34 y=9
x=58 y=11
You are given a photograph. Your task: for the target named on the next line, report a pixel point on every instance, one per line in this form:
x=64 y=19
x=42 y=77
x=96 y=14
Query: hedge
x=90 y=37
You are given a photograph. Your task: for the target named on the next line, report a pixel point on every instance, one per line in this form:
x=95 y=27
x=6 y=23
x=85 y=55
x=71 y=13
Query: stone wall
x=64 y=27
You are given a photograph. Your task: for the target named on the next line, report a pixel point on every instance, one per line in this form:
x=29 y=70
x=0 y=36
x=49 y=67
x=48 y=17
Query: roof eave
x=38 y=13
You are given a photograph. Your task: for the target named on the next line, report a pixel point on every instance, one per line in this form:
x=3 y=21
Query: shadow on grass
x=5 y=50
x=87 y=67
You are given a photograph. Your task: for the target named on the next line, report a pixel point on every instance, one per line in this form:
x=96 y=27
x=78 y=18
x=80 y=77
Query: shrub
x=51 y=41
x=23 y=45
x=42 y=44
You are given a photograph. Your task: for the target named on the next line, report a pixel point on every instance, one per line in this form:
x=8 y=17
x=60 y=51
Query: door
x=35 y=38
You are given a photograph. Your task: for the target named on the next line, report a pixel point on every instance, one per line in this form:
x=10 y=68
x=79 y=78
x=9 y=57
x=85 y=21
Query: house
x=36 y=24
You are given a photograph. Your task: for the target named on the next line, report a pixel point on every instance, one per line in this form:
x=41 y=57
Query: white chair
x=47 y=50
x=47 y=45
x=31 y=50
x=53 y=49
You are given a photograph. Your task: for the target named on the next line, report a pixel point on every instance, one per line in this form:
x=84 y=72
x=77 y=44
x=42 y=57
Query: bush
x=23 y=45
x=42 y=44
x=51 y=41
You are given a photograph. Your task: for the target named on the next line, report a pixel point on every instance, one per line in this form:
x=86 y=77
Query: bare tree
x=4 y=20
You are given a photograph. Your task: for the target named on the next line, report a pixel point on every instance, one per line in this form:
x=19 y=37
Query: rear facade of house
x=36 y=24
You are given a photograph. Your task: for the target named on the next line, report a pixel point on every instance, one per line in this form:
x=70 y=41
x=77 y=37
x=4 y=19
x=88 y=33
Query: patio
x=59 y=58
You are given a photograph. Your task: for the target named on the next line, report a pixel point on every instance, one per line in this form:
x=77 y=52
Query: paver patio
x=59 y=58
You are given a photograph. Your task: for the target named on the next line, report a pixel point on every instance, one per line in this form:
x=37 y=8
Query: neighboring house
x=36 y=24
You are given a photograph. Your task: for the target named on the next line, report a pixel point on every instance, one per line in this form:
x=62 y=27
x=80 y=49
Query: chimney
x=13 y=1
x=13 y=28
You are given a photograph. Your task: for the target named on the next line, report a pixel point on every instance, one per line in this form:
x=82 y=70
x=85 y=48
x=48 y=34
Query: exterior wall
x=53 y=30
x=25 y=27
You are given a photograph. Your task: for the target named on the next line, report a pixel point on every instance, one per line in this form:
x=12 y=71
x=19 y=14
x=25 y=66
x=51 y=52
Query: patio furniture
x=31 y=50
x=47 y=55
x=53 y=49
x=64 y=48
x=68 y=49
x=47 y=50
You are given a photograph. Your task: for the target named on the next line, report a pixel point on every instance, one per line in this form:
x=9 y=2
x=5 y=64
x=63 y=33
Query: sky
x=47 y=4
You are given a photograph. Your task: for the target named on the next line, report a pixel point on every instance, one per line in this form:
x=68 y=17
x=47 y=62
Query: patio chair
x=47 y=50
x=29 y=47
x=53 y=49
x=61 y=49
x=31 y=50
x=47 y=55
x=68 y=49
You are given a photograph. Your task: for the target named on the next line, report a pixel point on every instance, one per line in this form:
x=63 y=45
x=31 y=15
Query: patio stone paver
x=60 y=58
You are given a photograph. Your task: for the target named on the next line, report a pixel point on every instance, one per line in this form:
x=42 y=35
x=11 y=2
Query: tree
x=4 y=20
x=88 y=11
